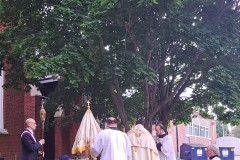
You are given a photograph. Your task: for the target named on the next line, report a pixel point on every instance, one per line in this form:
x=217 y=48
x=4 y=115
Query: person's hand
x=156 y=139
x=42 y=141
x=40 y=153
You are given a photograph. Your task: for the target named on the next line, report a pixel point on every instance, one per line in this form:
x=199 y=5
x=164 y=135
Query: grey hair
x=28 y=121
x=214 y=148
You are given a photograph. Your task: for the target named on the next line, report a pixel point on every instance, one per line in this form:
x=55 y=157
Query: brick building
x=15 y=107
x=199 y=131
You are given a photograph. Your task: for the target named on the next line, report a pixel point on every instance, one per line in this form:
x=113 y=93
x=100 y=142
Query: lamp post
x=42 y=117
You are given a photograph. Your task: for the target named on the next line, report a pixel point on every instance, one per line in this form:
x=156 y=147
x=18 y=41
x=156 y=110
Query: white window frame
x=2 y=130
x=190 y=129
x=202 y=131
x=207 y=132
x=196 y=129
x=1 y=101
x=196 y=125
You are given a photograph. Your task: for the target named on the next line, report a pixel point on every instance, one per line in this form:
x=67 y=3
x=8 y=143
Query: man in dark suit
x=30 y=146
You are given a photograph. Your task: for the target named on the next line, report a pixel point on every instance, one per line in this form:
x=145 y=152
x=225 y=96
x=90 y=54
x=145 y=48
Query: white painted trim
x=1 y=102
x=2 y=130
x=34 y=91
x=59 y=112
x=49 y=79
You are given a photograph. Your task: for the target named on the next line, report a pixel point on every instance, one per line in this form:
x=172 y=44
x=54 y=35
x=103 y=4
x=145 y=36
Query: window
x=198 y=127
x=196 y=130
x=202 y=131
x=206 y=132
x=190 y=129
x=2 y=130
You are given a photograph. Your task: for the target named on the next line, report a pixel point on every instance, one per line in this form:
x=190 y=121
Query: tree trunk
x=116 y=95
x=164 y=118
x=148 y=124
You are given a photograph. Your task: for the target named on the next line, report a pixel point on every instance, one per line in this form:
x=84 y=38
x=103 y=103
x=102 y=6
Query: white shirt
x=167 y=149
x=216 y=158
x=112 y=145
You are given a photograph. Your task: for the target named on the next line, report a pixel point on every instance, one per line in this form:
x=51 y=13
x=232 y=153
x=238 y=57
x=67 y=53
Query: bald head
x=30 y=123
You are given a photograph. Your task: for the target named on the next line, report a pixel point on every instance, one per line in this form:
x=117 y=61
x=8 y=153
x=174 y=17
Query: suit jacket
x=29 y=146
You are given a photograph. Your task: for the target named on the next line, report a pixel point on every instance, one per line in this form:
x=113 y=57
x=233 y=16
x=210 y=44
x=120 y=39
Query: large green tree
x=157 y=50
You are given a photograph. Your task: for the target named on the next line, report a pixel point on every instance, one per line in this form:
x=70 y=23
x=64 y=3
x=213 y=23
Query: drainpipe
x=177 y=140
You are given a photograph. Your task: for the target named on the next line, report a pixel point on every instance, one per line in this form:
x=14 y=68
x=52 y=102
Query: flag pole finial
x=88 y=104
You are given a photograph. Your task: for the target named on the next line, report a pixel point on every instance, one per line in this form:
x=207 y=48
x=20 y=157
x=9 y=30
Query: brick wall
x=73 y=132
x=18 y=106
x=13 y=122
x=64 y=138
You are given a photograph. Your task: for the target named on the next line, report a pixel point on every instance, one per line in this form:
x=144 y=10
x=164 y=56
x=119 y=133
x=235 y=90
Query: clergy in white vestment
x=111 y=144
x=142 y=143
x=164 y=144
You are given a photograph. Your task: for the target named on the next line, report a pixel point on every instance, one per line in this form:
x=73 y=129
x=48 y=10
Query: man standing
x=165 y=144
x=213 y=152
x=142 y=143
x=111 y=143
x=30 y=146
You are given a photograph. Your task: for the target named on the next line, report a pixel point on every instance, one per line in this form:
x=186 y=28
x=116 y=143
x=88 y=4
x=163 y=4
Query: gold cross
x=88 y=103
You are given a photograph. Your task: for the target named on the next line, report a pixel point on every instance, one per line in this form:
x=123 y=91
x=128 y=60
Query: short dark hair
x=139 y=121
x=111 y=120
x=162 y=127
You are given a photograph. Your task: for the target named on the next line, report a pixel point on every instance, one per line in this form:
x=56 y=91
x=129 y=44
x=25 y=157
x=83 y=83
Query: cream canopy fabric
x=86 y=133
x=142 y=144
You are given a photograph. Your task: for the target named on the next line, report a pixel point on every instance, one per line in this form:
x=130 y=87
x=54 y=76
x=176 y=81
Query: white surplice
x=167 y=149
x=111 y=144
x=142 y=144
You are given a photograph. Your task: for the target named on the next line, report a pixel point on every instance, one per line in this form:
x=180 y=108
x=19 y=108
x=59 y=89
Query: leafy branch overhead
x=157 y=50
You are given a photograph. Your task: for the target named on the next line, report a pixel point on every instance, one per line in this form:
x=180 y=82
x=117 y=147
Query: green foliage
x=235 y=131
x=222 y=129
x=159 y=48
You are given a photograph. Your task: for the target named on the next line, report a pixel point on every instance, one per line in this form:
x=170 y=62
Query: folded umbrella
x=86 y=133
